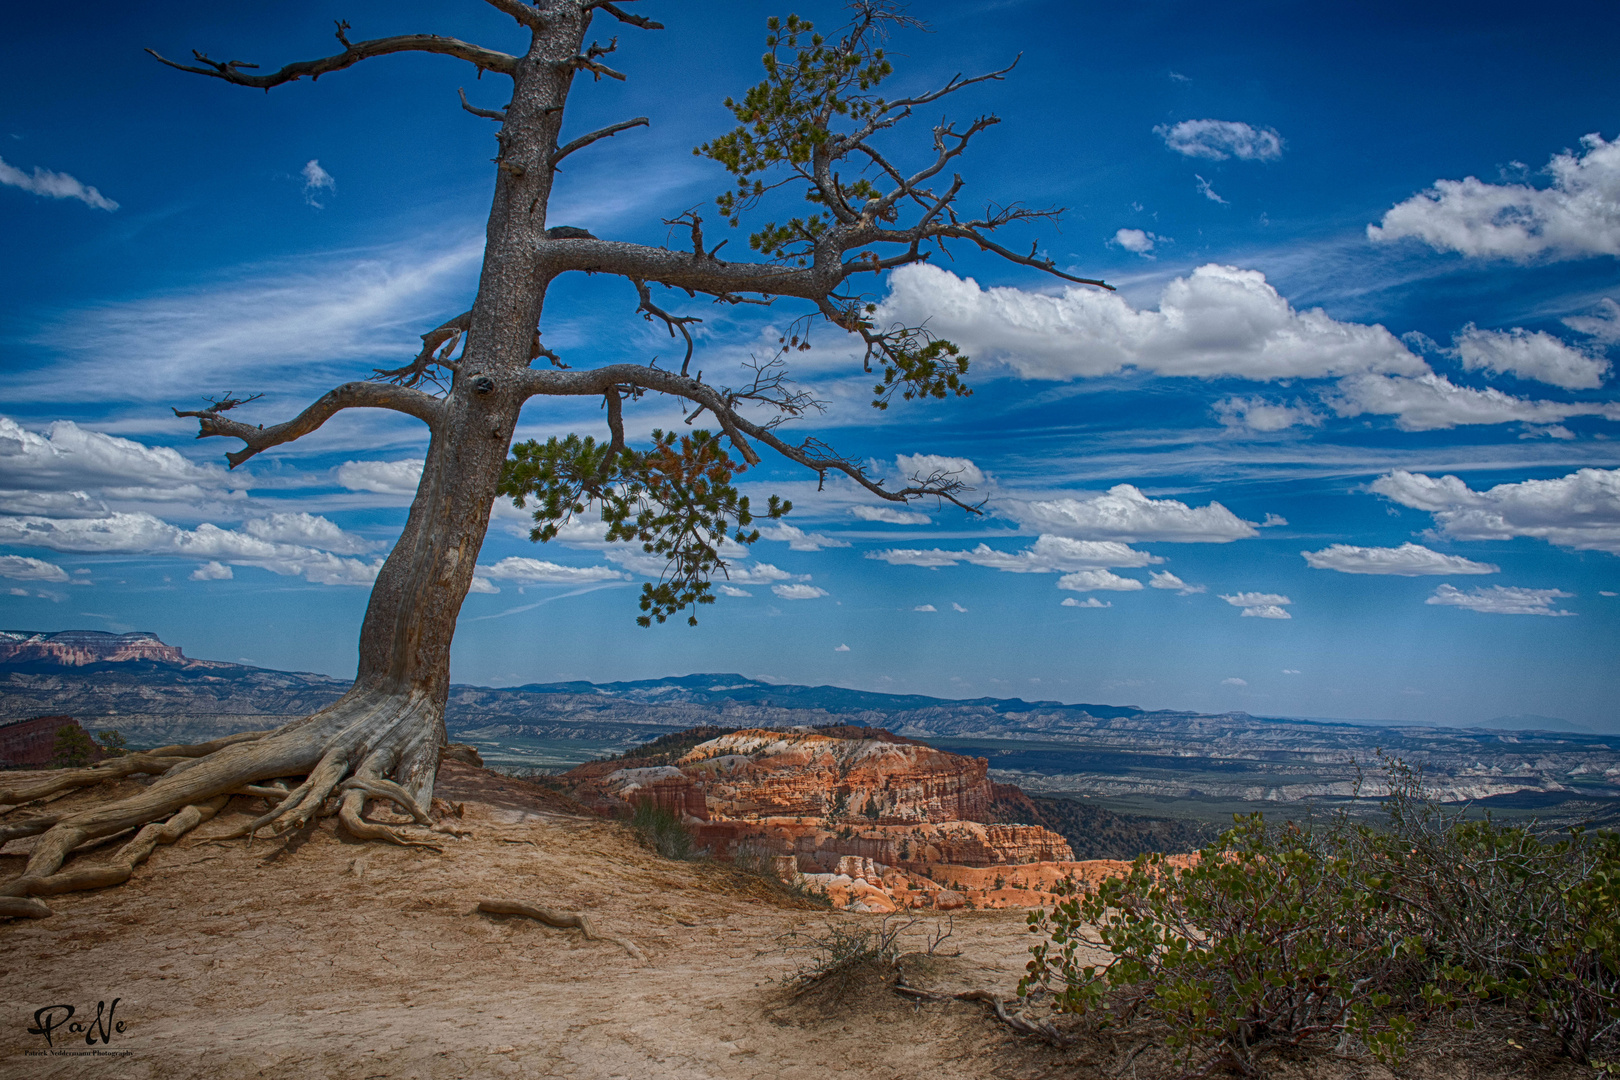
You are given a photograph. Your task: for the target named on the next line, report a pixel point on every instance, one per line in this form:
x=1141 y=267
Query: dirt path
x=326 y=958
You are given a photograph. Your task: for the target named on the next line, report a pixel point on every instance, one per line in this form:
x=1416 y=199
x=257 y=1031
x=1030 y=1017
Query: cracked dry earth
x=324 y=957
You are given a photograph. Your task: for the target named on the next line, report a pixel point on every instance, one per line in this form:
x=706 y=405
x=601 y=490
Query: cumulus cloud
x=213 y=570
x=316 y=181
x=841 y=648
x=1217 y=321
x=53 y=185
x=1433 y=402
x=67 y=458
x=925 y=607
x=143 y=534
x=22 y=568
x=1258 y=605
x=798 y=592
x=1164 y=579
x=1123 y=513
x=1577 y=215
x=798 y=540
x=1581 y=510
x=1501 y=600
x=482 y=584
x=1603 y=327
x=1088 y=602
x=1137 y=240
x=731 y=590
x=1408 y=560
x=382 y=477
x=541 y=572
x=1218 y=140
x=889 y=515
x=762 y=573
x=1095 y=580
x=1538 y=356
x=1260 y=414
x=1049 y=554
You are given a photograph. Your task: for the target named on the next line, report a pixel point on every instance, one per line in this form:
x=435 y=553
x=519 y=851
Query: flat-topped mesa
x=76 y=648
x=866 y=775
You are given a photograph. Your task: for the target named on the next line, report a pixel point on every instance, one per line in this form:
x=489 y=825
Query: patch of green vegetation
x=667 y=749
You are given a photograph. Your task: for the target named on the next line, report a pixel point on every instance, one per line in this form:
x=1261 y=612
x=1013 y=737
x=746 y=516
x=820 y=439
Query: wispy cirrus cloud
x=54 y=185
x=1218 y=140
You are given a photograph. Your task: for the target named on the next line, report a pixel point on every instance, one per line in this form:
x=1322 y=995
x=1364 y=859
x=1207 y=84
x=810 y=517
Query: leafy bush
x=1292 y=934
x=73 y=748
x=662 y=830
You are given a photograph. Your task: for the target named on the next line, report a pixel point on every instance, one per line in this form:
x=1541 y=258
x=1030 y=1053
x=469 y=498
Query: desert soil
x=325 y=958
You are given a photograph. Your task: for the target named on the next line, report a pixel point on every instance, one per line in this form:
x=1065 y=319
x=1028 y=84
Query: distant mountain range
x=1119 y=752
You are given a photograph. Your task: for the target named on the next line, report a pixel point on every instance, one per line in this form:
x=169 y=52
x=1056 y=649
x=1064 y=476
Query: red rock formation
x=30 y=744
x=75 y=648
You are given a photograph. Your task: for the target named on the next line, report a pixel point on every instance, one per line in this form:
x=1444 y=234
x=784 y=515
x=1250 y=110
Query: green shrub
x=1290 y=935
x=73 y=748
x=662 y=830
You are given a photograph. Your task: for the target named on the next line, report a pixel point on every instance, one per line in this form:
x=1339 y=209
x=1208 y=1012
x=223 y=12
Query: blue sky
x=1343 y=444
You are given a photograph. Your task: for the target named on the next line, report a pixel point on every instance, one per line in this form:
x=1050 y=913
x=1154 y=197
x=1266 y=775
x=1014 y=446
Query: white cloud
x=889 y=515
x=383 y=477
x=841 y=648
x=310 y=529
x=924 y=466
x=1501 y=600
x=1603 y=327
x=1257 y=605
x=729 y=590
x=1408 y=560
x=67 y=458
x=143 y=534
x=541 y=572
x=1259 y=414
x=762 y=573
x=213 y=570
x=1577 y=215
x=316 y=180
x=1093 y=580
x=958 y=607
x=1272 y=521
x=482 y=584
x=1432 y=402
x=1218 y=140
x=1164 y=579
x=1234 y=682
x=22 y=568
x=1049 y=554
x=1207 y=191
x=1137 y=240
x=1124 y=513
x=1537 y=355
x=1606 y=592
x=799 y=540
x=925 y=607
x=1290 y=671
x=1088 y=602
x=1217 y=321
x=53 y=185
x=1581 y=510
x=798 y=592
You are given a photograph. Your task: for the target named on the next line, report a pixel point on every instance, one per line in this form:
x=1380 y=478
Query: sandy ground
x=325 y=958
x=328 y=958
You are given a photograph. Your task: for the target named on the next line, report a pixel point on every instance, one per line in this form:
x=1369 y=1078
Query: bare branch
x=586 y=140
x=354 y=395
x=520 y=11
x=232 y=70
x=674 y=322
x=624 y=16
x=441 y=338
x=487 y=114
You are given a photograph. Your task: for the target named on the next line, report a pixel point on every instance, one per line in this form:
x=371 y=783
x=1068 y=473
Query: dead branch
x=563 y=920
x=603 y=133
x=520 y=11
x=437 y=345
x=487 y=114
x=232 y=70
x=673 y=322
x=624 y=16
x=354 y=395
x=156 y=761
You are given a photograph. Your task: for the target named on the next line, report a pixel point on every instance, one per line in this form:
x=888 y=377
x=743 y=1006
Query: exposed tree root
x=23 y=907
x=563 y=920
x=386 y=743
x=1040 y=1029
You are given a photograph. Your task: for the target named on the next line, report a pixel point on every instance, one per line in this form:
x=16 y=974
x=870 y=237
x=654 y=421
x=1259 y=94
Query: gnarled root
x=561 y=919
x=23 y=907
x=370 y=731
